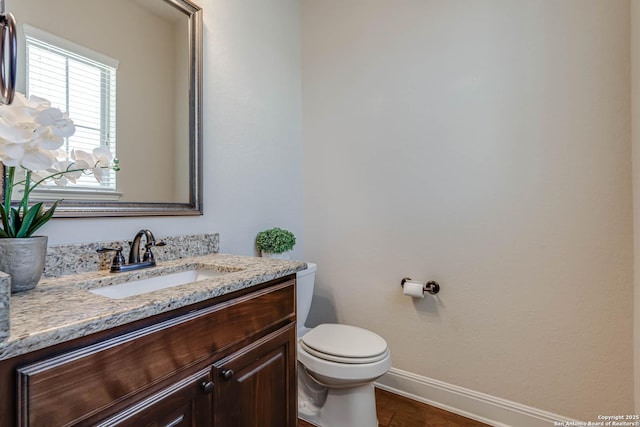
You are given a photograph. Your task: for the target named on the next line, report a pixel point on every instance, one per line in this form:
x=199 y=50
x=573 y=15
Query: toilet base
x=352 y=406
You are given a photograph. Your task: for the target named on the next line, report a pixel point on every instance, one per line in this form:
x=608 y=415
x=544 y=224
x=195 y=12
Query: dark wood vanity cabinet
x=226 y=362
x=255 y=387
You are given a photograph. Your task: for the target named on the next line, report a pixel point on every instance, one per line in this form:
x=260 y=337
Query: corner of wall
x=635 y=157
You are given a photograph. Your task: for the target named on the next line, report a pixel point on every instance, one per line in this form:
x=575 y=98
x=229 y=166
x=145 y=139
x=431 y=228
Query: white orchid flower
x=58 y=123
x=61 y=173
x=103 y=156
x=37 y=159
x=61 y=181
x=63 y=128
x=35 y=102
x=16 y=132
x=11 y=154
x=20 y=110
x=49 y=116
x=103 y=161
x=82 y=156
x=31 y=132
x=98 y=162
x=71 y=169
x=18 y=119
x=47 y=139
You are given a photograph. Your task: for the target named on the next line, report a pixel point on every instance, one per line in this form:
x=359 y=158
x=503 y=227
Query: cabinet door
x=187 y=403
x=256 y=387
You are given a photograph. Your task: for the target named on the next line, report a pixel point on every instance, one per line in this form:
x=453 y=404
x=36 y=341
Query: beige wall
x=483 y=144
x=635 y=143
x=181 y=109
x=145 y=115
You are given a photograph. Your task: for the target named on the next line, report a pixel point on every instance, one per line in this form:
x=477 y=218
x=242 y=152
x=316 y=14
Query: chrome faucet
x=148 y=260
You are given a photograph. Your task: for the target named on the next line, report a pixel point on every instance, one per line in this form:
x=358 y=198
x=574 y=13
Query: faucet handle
x=118 y=259
x=149 y=245
x=148 y=255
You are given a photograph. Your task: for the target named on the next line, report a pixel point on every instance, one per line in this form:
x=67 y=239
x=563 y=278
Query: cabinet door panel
x=185 y=404
x=256 y=386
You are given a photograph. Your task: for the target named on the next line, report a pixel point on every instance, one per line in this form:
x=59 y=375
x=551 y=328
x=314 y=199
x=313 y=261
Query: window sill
x=89 y=195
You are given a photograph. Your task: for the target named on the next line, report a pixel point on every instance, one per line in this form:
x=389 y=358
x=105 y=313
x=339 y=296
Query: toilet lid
x=344 y=344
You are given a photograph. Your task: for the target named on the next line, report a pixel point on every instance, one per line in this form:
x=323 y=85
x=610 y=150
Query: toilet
x=337 y=365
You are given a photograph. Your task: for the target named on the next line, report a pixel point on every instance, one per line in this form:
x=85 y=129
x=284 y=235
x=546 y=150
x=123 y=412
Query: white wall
x=252 y=114
x=483 y=144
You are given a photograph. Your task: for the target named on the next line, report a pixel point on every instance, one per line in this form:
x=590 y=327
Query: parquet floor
x=398 y=411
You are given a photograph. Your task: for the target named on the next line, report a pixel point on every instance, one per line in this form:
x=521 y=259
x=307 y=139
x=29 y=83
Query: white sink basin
x=142 y=286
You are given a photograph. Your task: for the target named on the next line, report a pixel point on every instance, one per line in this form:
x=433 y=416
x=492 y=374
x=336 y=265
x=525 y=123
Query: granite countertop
x=61 y=309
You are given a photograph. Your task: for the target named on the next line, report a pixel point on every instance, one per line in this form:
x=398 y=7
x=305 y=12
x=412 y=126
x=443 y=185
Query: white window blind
x=82 y=82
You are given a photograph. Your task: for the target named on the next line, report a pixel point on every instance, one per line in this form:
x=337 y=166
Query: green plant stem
x=11 y=170
x=25 y=198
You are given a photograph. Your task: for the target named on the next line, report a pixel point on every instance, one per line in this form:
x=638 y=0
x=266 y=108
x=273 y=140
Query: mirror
x=155 y=46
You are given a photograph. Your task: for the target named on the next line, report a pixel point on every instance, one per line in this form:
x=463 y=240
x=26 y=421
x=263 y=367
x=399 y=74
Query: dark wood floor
x=398 y=411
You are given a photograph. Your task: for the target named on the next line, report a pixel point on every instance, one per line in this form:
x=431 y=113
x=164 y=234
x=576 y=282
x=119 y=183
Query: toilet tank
x=304 y=292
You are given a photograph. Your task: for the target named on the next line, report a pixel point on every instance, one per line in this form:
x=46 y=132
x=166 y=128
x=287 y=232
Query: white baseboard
x=467 y=403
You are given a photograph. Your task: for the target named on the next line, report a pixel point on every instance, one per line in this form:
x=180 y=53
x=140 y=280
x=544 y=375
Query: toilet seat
x=337 y=373
x=344 y=344
x=339 y=359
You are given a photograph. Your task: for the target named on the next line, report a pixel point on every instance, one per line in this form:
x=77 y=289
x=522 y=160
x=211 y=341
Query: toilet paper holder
x=431 y=286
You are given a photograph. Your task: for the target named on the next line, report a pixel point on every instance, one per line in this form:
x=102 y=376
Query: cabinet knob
x=227 y=374
x=207 y=386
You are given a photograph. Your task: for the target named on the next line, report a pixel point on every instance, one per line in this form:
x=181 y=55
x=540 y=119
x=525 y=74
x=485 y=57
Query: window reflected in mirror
x=82 y=82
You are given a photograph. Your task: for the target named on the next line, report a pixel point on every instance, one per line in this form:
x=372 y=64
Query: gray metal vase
x=24 y=260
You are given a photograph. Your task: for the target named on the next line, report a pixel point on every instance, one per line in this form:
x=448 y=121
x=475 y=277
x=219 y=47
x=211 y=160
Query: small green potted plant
x=275 y=243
